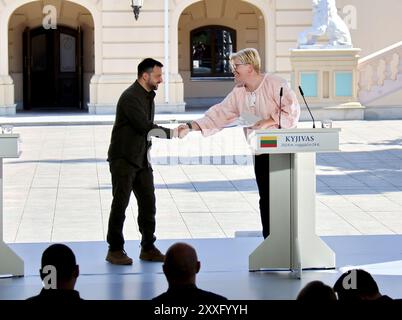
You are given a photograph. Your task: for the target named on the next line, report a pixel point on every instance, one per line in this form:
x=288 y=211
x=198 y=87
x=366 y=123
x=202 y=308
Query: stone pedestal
x=328 y=78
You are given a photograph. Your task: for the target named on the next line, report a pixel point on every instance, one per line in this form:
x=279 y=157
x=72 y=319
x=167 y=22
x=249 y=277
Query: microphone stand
x=280 y=107
x=305 y=102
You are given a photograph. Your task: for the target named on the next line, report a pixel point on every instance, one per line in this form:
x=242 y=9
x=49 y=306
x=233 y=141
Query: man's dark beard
x=152 y=86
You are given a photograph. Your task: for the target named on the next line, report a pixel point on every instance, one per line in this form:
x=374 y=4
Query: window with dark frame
x=210 y=49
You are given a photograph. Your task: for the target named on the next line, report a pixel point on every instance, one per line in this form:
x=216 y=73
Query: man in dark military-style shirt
x=129 y=165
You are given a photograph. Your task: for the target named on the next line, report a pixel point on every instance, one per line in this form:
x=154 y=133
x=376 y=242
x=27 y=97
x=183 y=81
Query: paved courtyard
x=60 y=189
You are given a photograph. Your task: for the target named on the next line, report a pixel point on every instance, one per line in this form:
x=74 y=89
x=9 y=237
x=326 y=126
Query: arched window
x=210 y=49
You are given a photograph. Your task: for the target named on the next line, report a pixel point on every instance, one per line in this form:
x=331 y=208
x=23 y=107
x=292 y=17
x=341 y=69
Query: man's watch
x=189 y=125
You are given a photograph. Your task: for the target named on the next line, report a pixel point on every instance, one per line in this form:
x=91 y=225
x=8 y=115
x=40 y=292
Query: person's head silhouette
x=316 y=291
x=60 y=259
x=181 y=265
x=356 y=284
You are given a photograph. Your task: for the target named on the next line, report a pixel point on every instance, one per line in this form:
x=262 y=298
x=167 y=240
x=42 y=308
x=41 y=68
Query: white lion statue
x=326 y=21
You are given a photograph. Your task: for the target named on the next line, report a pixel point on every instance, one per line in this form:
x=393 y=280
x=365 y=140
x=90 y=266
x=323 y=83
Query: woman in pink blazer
x=258 y=94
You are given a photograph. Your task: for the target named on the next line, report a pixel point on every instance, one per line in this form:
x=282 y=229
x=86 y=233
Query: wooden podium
x=292 y=243
x=10 y=263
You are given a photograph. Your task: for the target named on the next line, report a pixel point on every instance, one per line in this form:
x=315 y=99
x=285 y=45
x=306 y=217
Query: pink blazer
x=263 y=102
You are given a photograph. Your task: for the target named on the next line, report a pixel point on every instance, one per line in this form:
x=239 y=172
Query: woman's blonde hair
x=248 y=56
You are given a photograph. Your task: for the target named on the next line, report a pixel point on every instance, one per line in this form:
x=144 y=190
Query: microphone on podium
x=280 y=107
x=305 y=102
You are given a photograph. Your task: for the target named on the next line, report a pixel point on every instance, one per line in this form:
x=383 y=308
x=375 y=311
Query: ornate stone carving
x=326 y=21
x=394 y=65
x=381 y=72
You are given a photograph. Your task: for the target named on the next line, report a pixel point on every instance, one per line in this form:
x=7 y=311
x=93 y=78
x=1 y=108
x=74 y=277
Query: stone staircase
x=380 y=74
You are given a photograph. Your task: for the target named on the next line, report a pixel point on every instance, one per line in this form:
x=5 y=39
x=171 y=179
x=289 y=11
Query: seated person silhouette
x=180 y=268
x=59 y=273
x=356 y=285
x=316 y=291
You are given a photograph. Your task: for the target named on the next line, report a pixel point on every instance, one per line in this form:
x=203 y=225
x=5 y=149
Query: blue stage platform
x=224 y=269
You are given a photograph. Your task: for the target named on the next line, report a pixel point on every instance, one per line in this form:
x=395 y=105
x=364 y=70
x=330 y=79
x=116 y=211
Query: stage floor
x=224 y=269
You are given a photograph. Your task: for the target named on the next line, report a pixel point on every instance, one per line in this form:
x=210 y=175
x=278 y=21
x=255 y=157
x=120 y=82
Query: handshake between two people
x=182 y=130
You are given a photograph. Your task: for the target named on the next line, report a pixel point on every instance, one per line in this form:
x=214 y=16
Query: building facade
x=91 y=54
